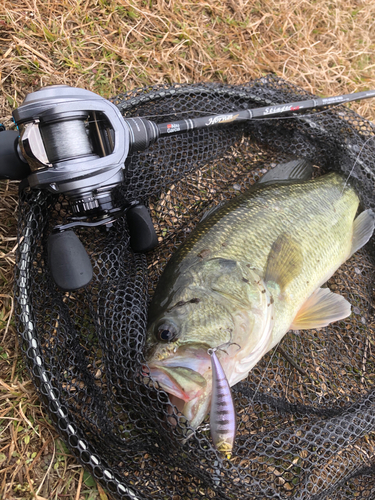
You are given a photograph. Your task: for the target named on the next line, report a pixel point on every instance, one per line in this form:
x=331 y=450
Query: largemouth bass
x=250 y=272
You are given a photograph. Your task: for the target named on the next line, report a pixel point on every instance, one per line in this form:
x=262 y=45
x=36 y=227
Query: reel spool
x=65 y=137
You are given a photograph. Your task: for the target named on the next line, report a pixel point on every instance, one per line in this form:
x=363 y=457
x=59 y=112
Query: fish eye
x=166 y=332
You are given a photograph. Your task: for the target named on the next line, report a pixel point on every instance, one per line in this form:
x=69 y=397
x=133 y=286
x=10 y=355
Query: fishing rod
x=74 y=142
x=259 y=113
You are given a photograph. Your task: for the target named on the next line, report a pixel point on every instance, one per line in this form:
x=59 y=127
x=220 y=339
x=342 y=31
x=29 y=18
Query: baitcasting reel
x=74 y=142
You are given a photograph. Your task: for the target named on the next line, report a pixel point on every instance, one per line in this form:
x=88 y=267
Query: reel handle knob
x=68 y=261
x=141 y=229
x=11 y=165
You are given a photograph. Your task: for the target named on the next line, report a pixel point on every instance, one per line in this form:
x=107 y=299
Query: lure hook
x=212 y=350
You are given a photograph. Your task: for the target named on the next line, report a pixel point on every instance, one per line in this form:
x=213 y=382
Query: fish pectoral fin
x=363 y=227
x=284 y=261
x=320 y=309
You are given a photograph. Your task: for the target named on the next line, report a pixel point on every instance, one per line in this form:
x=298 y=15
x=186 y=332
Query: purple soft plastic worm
x=222 y=414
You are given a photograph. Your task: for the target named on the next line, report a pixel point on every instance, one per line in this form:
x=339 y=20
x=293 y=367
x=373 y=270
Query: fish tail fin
x=363 y=228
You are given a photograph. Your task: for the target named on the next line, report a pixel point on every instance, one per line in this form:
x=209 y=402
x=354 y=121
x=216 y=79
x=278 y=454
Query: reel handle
x=70 y=264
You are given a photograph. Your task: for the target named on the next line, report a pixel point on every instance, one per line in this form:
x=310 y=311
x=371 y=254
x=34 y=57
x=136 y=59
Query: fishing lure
x=222 y=413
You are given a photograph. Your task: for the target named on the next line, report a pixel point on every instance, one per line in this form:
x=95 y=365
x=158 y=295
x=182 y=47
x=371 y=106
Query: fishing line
x=76 y=136
x=264 y=372
x=171 y=113
x=66 y=139
x=355 y=162
x=208 y=113
x=177 y=113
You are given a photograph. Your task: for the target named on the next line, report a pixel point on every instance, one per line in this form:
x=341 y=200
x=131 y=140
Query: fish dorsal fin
x=284 y=261
x=211 y=210
x=320 y=309
x=363 y=228
x=295 y=170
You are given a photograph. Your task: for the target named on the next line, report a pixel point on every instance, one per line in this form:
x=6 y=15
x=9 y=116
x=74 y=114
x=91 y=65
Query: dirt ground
x=109 y=46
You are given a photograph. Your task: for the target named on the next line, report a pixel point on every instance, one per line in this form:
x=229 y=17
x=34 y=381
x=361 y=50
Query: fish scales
x=245 y=228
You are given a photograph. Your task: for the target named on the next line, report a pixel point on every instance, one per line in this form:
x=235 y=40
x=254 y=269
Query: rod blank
x=271 y=111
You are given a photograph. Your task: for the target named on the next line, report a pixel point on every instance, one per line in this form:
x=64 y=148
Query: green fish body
x=250 y=272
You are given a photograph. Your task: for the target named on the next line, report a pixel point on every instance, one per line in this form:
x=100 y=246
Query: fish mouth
x=183 y=375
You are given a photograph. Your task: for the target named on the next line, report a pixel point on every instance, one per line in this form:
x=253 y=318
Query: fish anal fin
x=320 y=309
x=284 y=261
x=363 y=227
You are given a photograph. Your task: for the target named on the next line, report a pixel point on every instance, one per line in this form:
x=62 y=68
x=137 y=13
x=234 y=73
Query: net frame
x=84 y=349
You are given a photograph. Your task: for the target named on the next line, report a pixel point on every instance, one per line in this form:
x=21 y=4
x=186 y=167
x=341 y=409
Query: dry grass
x=109 y=46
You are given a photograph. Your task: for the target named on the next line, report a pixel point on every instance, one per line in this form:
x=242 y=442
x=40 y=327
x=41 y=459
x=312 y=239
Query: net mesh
x=306 y=412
